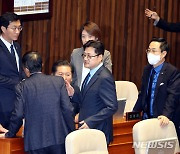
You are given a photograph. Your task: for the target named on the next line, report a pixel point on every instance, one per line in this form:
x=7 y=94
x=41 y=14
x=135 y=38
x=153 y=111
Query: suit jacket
x=171 y=27
x=77 y=64
x=99 y=102
x=75 y=100
x=44 y=103
x=167 y=93
x=9 y=77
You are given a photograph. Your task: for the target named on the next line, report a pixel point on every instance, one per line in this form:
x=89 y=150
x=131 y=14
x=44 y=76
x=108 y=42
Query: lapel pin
x=161 y=84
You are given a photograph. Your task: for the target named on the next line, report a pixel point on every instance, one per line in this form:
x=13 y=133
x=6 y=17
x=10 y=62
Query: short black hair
x=97 y=45
x=7 y=18
x=60 y=63
x=164 y=45
x=32 y=60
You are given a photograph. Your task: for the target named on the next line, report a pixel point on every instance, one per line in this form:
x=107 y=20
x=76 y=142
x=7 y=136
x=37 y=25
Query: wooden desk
x=123 y=141
x=121 y=144
x=12 y=145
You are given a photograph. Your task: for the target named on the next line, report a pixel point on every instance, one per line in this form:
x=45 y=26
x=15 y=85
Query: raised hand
x=69 y=88
x=151 y=14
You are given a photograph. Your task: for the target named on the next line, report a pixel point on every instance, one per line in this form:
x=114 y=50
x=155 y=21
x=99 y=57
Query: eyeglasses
x=151 y=50
x=88 y=56
x=20 y=28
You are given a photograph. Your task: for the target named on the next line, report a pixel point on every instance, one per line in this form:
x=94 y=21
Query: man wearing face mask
x=160 y=89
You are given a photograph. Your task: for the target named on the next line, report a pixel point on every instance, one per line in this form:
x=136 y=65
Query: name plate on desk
x=133 y=116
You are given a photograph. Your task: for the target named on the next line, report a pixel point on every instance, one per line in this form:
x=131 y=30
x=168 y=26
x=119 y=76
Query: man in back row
x=160 y=89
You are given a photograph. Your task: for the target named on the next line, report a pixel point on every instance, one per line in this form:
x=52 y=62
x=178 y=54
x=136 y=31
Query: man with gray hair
x=42 y=100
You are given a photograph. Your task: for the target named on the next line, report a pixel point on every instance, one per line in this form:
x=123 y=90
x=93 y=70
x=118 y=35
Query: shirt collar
x=158 y=68
x=93 y=71
x=7 y=44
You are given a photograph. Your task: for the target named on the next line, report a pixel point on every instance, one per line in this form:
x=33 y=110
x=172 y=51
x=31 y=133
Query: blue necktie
x=85 y=82
x=149 y=105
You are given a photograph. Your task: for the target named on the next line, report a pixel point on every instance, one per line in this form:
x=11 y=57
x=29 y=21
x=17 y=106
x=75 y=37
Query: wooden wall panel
x=0 y=6
x=132 y=31
x=67 y=18
x=125 y=32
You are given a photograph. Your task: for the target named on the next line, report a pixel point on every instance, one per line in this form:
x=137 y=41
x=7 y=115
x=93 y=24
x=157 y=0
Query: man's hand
x=152 y=15
x=69 y=88
x=2 y=129
x=76 y=119
x=84 y=125
x=2 y=135
x=163 y=120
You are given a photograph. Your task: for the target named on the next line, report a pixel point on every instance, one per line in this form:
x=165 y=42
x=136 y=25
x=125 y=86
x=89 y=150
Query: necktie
x=149 y=105
x=13 y=53
x=85 y=82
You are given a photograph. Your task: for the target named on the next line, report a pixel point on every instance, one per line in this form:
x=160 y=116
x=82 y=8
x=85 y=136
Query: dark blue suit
x=171 y=27
x=9 y=77
x=44 y=103
x=167 y=94
x=99 y=102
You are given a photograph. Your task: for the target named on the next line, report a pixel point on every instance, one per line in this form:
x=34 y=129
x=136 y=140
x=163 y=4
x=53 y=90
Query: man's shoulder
x=2 y=45
x=104 y=72
x=169 y=66
x=53 y=78
x=171 y=70
x=43 y=79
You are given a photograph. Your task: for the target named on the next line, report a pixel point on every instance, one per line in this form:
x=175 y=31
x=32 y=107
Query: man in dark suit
x=10 y=64
x=44 y=103
x=99 y=101
x=171 y=27
x=160 y=89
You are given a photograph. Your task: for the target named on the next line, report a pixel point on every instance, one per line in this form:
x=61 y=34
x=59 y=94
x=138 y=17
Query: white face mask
x=153 y=59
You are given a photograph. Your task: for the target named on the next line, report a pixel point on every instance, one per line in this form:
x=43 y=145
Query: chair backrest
x=86 y=141
x=150 y=130
x=128 y=90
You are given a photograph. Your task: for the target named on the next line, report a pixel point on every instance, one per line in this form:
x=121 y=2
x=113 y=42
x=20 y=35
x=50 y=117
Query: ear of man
x=27 y=72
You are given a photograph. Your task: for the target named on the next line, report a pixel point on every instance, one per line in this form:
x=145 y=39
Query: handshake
x=2 y=131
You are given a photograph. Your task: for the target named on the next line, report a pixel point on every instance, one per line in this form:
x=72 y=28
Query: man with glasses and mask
x=99 y=101
x=160 y=89
x=10 y=64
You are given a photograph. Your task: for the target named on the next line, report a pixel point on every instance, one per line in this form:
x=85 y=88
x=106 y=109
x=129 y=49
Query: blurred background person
x=88 y=31
x=171 y=27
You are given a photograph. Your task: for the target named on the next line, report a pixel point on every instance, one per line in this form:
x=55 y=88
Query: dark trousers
x=54 y=149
